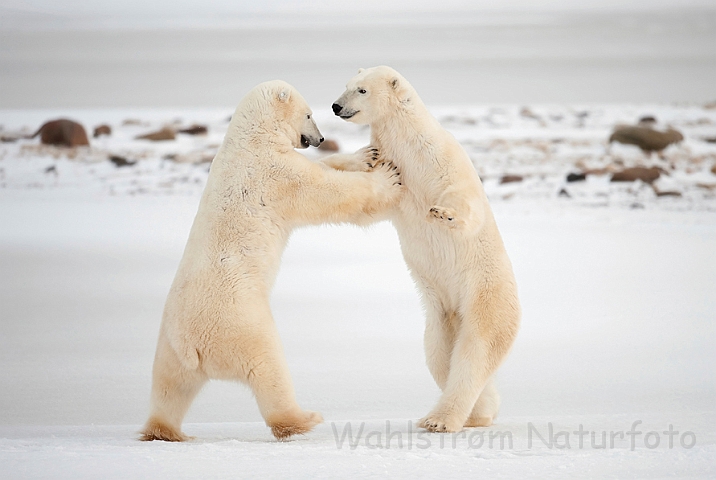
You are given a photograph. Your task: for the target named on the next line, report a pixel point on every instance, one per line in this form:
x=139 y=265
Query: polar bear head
x=372 y=94
x=281 y=105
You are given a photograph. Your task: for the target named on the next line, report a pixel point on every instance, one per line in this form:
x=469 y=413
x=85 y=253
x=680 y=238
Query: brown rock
x=713 y=169
x=195 y=130
x=646 y=138
x=62 y=132
x=665 y=193
x=102 y=130
x=165 y=133
x=329 y=146
x=510 y=179
x=647 y=175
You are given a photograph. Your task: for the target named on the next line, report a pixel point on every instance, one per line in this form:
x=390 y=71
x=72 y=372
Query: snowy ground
x=617 y=287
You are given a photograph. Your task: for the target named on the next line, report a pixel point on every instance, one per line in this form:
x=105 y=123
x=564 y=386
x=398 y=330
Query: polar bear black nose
x=321 y=140
x=336 y=108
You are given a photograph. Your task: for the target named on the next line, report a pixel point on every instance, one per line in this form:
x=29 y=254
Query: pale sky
x=206 y=7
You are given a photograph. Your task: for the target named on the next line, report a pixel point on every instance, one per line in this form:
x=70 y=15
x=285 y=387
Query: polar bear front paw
x=370 y=157
x=444 y=215
x=389 y=171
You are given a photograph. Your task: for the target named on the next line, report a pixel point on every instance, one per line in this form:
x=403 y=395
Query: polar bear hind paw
x=435 y=423
x=287 y=426
x=157 y=430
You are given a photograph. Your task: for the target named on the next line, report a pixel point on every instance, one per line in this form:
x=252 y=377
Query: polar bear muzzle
x=310 y=140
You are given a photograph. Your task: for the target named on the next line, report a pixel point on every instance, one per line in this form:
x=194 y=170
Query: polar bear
x=217 y=322
x=451 y=245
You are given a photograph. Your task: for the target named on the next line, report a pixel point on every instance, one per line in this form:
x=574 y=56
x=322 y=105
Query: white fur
x=451 y=244
x=217 y=322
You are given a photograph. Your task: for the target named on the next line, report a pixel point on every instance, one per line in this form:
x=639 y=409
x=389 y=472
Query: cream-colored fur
x=450 y=242
x=217 y=323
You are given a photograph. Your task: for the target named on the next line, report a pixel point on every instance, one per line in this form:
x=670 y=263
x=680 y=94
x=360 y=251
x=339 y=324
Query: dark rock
x=713 y=169
x=511 y=179
x=646 y=175
x=51 y=169
x=120 y=161
x=576 y=177
x=329 y=146
x=710 y=139
x=62 y=132
x=102 y=130
x=195 y=130
x=564 y=193
x=667 y=193
x=165 y=133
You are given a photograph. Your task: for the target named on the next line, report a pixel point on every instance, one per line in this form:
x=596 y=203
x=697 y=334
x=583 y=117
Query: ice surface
x=618 y=322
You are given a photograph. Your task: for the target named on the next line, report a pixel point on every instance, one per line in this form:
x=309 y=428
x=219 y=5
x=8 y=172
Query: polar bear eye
x=362 y=91
x=308 y=116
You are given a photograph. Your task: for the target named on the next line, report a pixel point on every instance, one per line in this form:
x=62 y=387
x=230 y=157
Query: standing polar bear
x=450 y=243
x=217 y=321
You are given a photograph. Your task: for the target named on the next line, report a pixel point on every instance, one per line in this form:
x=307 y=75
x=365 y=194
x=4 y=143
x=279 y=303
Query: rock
x=195 y=130
x=527 y=113
x=102 y=130
x=329 y=146
x=564 y=193
x=646 y=175
x=120 y=161
x=710 y=139
x=51 y=169
x=8 y=138
x=576 y=177
x=667 y=193
x=713 y=169
x=62 y=132
x=510 y=179
x=645 y=137
x=165 y=133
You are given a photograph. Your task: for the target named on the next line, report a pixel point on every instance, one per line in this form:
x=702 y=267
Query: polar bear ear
x=284 y=95
x=394 y=83
x=360 y=70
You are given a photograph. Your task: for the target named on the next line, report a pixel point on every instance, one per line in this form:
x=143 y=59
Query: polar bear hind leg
x=486 y=407
x=439 y=340
x=174 y=387
x=482 y=342
x=261 y=363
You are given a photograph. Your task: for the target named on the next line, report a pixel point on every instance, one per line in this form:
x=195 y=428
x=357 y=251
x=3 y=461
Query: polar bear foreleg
x=174 y=387
x=458 y=209
x=362 y=161
x=355 y=197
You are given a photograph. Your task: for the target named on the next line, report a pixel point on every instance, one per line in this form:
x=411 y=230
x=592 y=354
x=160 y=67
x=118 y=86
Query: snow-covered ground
x=617 y=287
